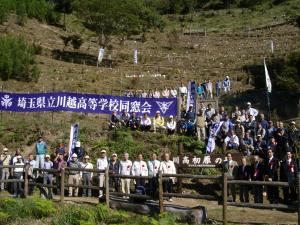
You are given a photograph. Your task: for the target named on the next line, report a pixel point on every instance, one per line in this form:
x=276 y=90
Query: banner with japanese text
x=85 y=103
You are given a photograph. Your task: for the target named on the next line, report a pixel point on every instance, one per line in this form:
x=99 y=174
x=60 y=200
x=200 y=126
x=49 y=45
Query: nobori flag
x=100 y=55
x=135 y=56
x=268 y=80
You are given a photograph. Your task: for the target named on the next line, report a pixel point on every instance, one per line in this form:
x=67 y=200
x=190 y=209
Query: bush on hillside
x=17 y=60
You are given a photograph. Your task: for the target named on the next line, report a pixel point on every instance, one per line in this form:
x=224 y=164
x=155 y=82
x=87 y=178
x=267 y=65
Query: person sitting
x=247 y=144
x=165 y=93
x=114 y=121
x=145 y=123
x=260 y=147
x=158 y=122
x=173 y=92
x=124 y=119
x=156 y=93
x=260 y=131
x=171 y=125
x=231 y=141
x=144 y=94
x=134 y=121
x=239 y=130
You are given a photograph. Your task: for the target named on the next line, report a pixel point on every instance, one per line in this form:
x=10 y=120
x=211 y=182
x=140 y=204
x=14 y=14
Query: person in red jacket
x=288 y=173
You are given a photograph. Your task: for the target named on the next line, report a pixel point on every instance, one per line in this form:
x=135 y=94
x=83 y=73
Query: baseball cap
x=103 y=151
x=77 y=144
x=74 y=155
x=86 y=157
x=47 y=156
x=114 y=155
x=248 y=103
x=5 y=149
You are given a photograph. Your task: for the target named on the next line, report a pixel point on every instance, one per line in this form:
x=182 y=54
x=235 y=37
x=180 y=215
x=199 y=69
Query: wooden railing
x=223 y=179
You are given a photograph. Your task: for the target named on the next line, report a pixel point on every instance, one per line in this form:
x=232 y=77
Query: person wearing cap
x=293 y=137
x=5 y=159
x=153 y=167
x=145 y=122
x=79 y=151
x=74 y=176
x=18 y=174
x=114 y=167
x=86 y=176
x=102 y=164
x=167 y=166
x=171 y=125
x=139 y=168
x=47 y=177
x=288 y=173
x=125 y=169
x=158 y=122
x=40 y=151
x=251 y=111
x=226 y=84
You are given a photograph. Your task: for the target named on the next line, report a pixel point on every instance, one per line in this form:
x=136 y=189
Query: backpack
x=140 y=190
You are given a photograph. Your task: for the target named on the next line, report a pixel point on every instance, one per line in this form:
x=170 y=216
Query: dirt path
x=235 y=215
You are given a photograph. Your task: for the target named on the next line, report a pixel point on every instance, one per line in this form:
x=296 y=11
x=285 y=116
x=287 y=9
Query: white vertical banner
x=73 y=139
x=272 y=46
x=268 y=80
x=135 y=56
x=100 y=55
x=188 y=100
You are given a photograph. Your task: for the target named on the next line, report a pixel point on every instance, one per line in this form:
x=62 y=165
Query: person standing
x=201 y=125
x=5 y=159
x=271 y=167
x=168 y=167
x=86 y=176
x=218 y=88
x=226 y=84
x=251 y=111
x=79 y=151
x=32 y=175
x=47 y=177
x=230 y=166
x=153 y=167
x=41 y=150
x=210 y=89
x=183 y=92
x=102 y=164
x=257 y=175
x=18 y=174
x=244 y=173
x=294 y=137
x=173 y=92
x=114 y=168
x=59 y=164
x=74 y=175
x=139 y=168
x=288 y=173
x=125 y=169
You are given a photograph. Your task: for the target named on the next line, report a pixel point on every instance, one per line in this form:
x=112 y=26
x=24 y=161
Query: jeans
x=48 y=181
x=18 y=190
x=168 y=186
x=86 y=179
x=40 y=159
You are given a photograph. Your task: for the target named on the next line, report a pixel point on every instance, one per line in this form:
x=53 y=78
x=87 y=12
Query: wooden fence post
x=298 y=187
x=107 y=187
x=224 y=198
x=160 y=192
x=26 y=180
x=179 y=180
x=62 y=184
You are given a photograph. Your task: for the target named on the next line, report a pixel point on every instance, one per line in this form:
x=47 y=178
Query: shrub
x=17 y=60
x=3 y=218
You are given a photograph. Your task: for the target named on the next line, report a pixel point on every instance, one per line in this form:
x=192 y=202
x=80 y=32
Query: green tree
x=120 y=18
x=65 y=7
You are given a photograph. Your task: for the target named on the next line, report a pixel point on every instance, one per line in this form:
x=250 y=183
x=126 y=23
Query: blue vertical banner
x=192 y=95
x=73 y=139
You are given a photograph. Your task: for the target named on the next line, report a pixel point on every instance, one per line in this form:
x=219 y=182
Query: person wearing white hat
x=226 y=84
x=158 y=122
x=18 y=174
x=114 y=168
x=4 y=160
x=171 y=125
x=74 y=176
x=86 y=176
x=47 y=177
x=251 y=111
x=79 y=151
x=102 y=164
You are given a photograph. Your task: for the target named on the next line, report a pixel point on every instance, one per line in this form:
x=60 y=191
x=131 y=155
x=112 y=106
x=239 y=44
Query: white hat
x=248 y=103
x=103 y=151
x=74 y=155
x=157 y=111
x=293 y=122
x=47 y=156
x=19 y=157
x=171 y=116
x=86 y=157
x=258 y=135
x=5 y=149
x=77 y=144
x=114 y=155
x=191 y=105
x=227 y=77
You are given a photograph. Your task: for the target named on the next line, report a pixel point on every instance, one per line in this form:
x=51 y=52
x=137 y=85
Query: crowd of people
x=206 y=90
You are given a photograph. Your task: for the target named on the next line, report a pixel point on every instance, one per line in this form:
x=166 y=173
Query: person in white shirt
x=156 y=94
x=5 y=161
x=171 y=125
x=166 y=93
x=145 y=123
x=153 y=167
x=139 y=168
x=209 y=89
x=173 y=93
x=47 y=177
x=226 y=84
x=232 y=140
x=144 y=94
x=18 y=174
x=183 y=91
x=86 y=176
x=102 y=164
x=251 y=111
x=31 y=174
x=168 y=167
x=125 y=169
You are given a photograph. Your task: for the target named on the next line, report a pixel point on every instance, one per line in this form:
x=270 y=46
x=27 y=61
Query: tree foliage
x=121 y=18
x=17 y=60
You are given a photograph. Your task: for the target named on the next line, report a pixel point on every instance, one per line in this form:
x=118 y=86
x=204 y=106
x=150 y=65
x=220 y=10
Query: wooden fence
x=223 y=179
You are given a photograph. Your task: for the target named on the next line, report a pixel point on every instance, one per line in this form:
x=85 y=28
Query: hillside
x=233 y=38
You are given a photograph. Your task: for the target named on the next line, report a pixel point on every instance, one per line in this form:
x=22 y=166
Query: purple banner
x=85 y=103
